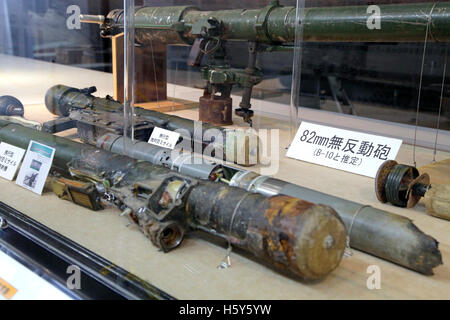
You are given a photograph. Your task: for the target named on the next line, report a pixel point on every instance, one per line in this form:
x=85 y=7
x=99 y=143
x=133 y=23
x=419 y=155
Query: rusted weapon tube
x=276 y=24
x=289 y=234
x=380 y=233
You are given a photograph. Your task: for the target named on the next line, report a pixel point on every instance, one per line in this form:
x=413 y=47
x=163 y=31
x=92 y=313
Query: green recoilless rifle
x=289 y=234
x=274 y=26
x=94 y=117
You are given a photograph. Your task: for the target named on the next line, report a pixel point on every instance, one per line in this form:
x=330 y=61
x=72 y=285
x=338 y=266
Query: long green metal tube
x=404 y=22
x=275 y=24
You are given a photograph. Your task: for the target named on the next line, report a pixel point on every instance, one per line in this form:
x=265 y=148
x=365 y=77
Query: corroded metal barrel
x=383 y=234
x=294 y=234
x=289 y=234
x=276 y=24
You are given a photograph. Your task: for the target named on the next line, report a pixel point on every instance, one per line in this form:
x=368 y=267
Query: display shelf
x=190 y=272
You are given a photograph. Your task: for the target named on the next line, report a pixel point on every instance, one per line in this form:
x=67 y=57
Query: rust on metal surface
x=414 y=198
x=293 y=235
x=293 y=227
x=216 y=110
x=285 y=206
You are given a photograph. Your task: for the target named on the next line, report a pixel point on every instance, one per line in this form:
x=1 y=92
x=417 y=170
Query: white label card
x=10 y=158
x=164 y=138
x=35 y=167
x=346 y=150
x=17 y=282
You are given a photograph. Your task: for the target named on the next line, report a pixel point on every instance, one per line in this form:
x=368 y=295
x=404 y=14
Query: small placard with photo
x=36 y=167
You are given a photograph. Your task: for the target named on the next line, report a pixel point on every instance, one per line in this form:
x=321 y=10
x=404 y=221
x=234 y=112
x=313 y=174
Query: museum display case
x=208 y=150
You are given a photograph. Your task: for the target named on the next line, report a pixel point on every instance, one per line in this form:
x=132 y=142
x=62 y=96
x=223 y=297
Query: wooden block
x=169 y=105
x=437 y=201
x=439 y=172
x=150 y=71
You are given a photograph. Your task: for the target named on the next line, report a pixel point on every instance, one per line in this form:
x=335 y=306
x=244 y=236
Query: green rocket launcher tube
x=288 y=234
x=275 y=24
x=95 y=116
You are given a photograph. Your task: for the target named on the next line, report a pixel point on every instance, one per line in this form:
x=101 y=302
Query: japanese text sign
x=346 y=150
x=164 y=138
x=10 y=158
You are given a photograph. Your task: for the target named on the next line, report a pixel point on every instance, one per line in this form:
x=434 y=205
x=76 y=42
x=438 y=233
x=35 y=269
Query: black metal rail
x=103 y=271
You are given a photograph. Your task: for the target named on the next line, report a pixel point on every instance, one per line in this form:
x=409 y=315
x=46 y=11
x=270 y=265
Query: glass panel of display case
x=381 y=60
x=164 y=125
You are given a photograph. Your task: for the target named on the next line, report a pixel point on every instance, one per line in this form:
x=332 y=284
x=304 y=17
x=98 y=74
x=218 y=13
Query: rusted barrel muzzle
x=290 y=234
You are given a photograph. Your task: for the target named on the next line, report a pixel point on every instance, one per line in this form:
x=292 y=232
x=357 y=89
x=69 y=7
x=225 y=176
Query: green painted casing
x=276 y=24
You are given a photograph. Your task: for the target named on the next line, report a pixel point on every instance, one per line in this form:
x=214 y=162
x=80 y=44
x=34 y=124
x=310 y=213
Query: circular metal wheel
x=381 y=177
x=10 y=106
x=394 y=184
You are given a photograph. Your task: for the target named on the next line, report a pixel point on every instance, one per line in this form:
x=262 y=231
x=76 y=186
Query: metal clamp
x=226 y=262
x=348 y=251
